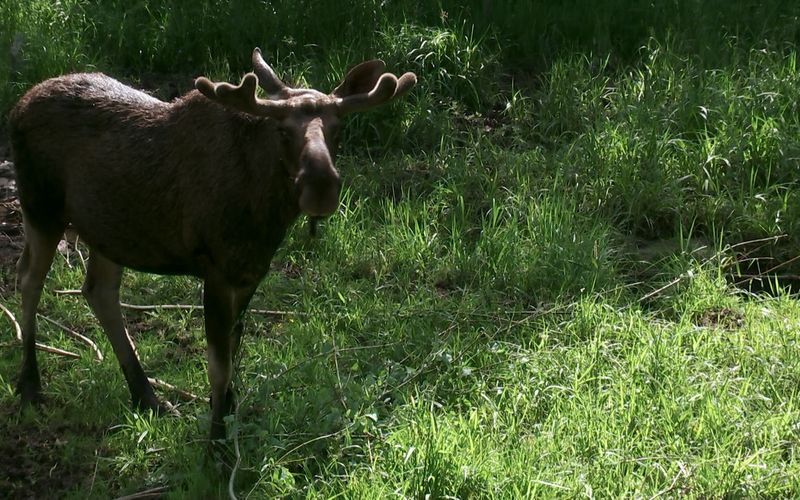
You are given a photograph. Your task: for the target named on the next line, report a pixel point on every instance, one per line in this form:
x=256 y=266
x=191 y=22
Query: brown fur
x=164 y=188
x=206 y=186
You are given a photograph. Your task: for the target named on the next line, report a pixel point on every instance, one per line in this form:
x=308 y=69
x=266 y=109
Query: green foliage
x=526 y=291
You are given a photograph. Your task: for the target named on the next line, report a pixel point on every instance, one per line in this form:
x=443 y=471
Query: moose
x=206 y=185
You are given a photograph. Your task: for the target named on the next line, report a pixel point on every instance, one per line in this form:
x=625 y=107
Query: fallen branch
x=668 y=285
x=41 y=347
x=238 y=462
x=185 y=395
x=86 y=340
x=155 y=307
x=754 y=277
x=156 y=492
x=56 y=350
x=13 y=321
x=690 y=273
x=188 y=307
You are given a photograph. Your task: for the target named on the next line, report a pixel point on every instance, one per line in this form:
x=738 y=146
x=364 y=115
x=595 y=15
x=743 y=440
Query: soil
x=41 y=461
x=720 y=317
x=11 y=239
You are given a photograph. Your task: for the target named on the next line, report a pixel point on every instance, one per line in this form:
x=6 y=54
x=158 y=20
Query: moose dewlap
x=206 y=186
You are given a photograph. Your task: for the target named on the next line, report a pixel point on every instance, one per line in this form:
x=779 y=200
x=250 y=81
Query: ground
x=10 y=216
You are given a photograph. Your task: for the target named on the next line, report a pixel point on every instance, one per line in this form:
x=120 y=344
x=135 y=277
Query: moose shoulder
x=205 y=186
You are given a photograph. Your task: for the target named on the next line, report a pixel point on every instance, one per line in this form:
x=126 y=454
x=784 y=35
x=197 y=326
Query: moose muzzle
x=318 y=191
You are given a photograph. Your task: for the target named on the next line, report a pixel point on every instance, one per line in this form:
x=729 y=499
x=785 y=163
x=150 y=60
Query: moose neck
x=245 y=200
x=253 y=156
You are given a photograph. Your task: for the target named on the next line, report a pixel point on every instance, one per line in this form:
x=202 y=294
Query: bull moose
x=206 y=185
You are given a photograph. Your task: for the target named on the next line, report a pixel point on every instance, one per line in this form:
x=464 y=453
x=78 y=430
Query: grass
x=529 y=287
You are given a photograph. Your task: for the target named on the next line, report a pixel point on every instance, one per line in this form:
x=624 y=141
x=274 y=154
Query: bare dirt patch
x=720 y=317
x=41 y=462
x=11 y=237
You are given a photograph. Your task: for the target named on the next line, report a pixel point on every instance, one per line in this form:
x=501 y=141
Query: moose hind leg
x=101 y=290
x=32 y=268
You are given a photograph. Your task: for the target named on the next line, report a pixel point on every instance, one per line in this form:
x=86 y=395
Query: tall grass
x=511 y=301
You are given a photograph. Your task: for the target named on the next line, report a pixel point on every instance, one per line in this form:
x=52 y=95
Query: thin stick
x=154 y=307
x=661 y=289
x=717 y=255
x=188 y=307
x=86 y=340
x=13 y=321
x=56 y=350
x=280 y=461
x=65 y=254
x=185 y=395
x=232 y=478
x=41 y=347
x=773 y=268
x=152 y=492
x=340 y=389
x=671 y=487
x=78 y=251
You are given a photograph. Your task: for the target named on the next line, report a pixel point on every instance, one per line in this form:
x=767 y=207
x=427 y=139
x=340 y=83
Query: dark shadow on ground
x=44 y=458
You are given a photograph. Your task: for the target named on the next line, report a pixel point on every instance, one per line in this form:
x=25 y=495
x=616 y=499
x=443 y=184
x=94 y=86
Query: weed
x=528 y=289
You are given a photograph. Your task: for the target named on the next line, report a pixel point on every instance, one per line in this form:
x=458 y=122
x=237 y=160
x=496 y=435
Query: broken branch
x=86 y=340
x=41 y=347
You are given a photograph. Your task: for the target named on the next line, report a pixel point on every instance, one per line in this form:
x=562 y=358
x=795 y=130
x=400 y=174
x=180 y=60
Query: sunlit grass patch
x=529 y=288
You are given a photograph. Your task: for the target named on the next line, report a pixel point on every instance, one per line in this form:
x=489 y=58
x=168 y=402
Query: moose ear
x=361 y=79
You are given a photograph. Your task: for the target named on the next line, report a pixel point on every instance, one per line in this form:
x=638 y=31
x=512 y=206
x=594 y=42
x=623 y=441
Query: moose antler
x=241 y=97
x=364 y=87
x=269 y=81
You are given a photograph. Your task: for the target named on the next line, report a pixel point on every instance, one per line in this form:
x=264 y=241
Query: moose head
x=309 y=120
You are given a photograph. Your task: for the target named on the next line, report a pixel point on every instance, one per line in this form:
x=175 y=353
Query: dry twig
x=149 y=493
x=717 y=255
x=86 y=340
x=188 y=307
x=41 y=347
x=186 y=396
x=764 y=273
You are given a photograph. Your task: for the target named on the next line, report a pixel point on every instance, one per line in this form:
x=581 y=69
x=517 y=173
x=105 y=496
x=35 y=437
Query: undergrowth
x=537 y=283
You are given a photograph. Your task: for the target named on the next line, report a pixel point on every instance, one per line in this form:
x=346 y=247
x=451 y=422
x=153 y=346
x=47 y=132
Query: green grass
x=528 y=290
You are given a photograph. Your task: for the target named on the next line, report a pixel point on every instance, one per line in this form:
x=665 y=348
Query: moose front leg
x=101 y=289
x=222 y=307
